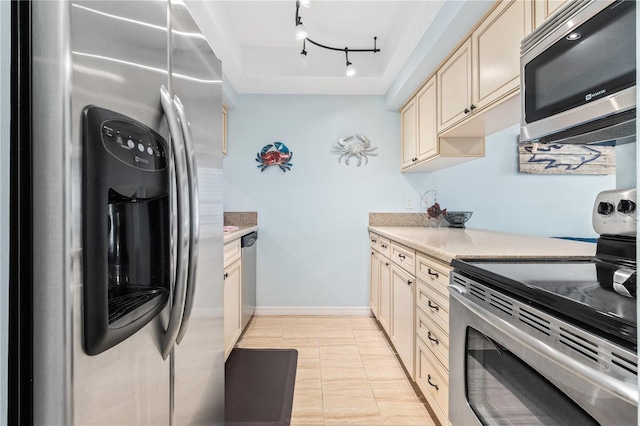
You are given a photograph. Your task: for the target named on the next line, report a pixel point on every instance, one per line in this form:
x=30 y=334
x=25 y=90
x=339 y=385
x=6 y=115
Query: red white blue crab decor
x=275 y=154
x=355 y=145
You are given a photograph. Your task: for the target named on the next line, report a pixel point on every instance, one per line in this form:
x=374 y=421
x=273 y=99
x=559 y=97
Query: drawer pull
x=384 y=246
x=433 y=339
x=432 y=306
x=433 y=274
x=226 y=275
x=386 y=263
x=373 y=240
x=409 y=282
x=429 y=381
x=402 y=256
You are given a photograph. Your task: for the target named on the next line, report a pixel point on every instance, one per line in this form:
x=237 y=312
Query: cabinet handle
x=472 y=107
x=409 y=282
x=433 y=274
x=429 y=381
x=386 y=263
x=402 y=256
x=372 y=253
x=373 y=240
x=433 y=339
x=226 y=275
x=432 y=306
x=384 y=246
x=467 y=110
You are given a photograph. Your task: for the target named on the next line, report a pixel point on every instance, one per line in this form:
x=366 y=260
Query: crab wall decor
x=355 y=145
x=275 y=154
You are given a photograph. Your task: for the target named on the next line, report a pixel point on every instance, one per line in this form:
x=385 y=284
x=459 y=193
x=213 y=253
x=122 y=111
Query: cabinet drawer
x=432 y=272
x=231 y=252
x=433 y=381
x=433 y=336
x=403 y=257
x=434 y=305
x=384 y=246
x=374 y=241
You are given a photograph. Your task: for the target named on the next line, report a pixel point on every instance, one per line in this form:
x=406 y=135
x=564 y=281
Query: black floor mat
x=259 y=386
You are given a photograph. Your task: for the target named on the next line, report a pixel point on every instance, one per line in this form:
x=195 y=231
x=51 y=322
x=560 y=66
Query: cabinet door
x=409 y=134
x=496 y=51
x=232 y=327
x=403 y=313
x=385 y=294
x=546 y=8
x=427 y=121
x=454 y=87
x=374 y=284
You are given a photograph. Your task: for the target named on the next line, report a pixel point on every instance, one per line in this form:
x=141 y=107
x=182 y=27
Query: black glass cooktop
x=574 y=290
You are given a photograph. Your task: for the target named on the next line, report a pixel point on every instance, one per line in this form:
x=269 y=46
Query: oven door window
x=504 y=390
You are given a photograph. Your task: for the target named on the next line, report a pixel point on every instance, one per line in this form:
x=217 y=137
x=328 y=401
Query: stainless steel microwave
x=578 y=74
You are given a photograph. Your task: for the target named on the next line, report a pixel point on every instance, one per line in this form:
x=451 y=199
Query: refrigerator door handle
x=195 y=215
x=182 y=250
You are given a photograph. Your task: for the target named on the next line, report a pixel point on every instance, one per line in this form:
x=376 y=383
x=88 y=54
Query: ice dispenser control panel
x=133 y=145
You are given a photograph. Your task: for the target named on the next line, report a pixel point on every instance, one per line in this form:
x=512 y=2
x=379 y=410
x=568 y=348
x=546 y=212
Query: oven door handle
x=618 y=388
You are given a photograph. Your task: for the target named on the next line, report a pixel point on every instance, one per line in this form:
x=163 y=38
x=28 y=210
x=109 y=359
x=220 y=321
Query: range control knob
x=605 y=208
x=626 y=206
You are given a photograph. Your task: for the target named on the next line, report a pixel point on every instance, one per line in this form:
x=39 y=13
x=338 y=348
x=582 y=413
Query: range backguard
x=126 y=227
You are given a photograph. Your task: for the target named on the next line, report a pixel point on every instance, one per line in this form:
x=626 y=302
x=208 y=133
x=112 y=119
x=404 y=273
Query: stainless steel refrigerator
x=116 y=287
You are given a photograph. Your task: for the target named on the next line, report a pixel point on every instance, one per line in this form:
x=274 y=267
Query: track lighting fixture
x=301 y=34
x=351 y=70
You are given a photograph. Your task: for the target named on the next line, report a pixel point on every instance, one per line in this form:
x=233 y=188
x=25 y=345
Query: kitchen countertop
x=447 y=244
x=238 y=233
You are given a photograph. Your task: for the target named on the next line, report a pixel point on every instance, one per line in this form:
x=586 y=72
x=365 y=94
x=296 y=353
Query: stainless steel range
x=549 y=342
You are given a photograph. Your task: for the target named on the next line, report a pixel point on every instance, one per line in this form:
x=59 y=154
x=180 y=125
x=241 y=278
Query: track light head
x=351 y=70
x=301 y=31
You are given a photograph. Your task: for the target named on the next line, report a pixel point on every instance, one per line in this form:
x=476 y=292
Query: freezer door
x=112 y=55
x=196 y=83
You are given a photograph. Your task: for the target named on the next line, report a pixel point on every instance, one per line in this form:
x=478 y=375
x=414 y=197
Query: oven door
x=500 y=374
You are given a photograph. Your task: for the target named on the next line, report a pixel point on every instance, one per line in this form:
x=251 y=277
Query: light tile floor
x=347 y=371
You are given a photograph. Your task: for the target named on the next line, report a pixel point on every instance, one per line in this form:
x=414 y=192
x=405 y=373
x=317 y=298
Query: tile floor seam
x=332 y=329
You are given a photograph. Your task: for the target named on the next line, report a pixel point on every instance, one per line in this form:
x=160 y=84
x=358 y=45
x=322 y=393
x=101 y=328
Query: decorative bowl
x=457 y=219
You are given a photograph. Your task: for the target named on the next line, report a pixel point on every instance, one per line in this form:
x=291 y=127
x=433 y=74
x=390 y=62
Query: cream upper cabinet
x=419 y=126
x=409 y=128
x=427 y=121
x=495 y=49
x=454 y=87
x=545 y=8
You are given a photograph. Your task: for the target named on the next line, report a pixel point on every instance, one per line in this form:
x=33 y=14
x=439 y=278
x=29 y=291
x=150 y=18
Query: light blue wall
x=312 y=249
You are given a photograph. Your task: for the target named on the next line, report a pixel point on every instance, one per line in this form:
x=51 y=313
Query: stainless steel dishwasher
x=249 y=247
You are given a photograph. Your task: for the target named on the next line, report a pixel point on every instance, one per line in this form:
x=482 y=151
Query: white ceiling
x=255 y=41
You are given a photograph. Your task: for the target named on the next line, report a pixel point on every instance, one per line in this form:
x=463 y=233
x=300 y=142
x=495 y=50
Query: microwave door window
x=598 y=60
x=504 y=390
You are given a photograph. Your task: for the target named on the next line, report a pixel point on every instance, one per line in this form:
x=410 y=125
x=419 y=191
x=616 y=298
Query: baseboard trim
x=312 y=310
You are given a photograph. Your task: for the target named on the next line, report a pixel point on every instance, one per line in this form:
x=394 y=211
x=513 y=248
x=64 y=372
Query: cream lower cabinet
x=403 y=311
x=232 y=295
x=232 y=306
x=374 y=283
x=380 y=281
x=432 y=334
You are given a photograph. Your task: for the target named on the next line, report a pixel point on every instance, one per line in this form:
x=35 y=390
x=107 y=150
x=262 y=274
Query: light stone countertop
x=238 y=233
x=447 y=244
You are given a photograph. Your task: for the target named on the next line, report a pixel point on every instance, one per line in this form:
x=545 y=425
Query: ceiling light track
x=301 y=34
